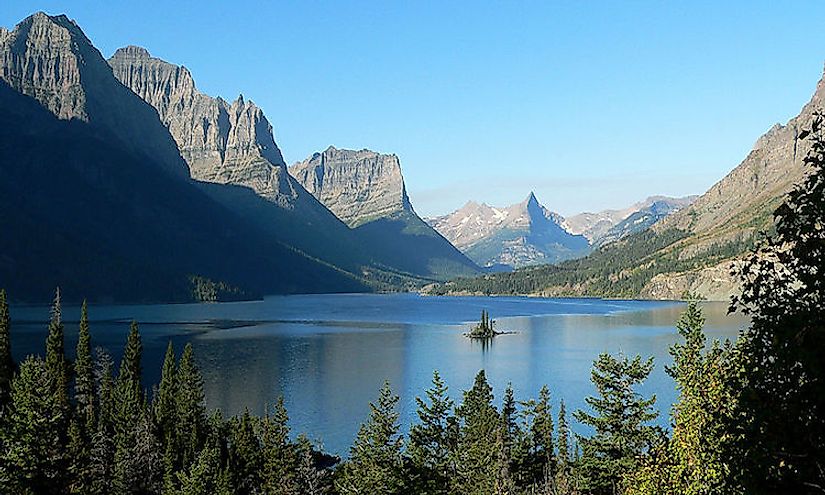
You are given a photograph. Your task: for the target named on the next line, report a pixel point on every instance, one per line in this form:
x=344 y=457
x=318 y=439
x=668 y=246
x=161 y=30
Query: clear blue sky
x=591 y=105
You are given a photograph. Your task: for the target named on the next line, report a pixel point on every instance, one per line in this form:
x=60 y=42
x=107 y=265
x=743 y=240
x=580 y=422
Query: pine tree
x=245 y=455
x=84 y=377
x=433 y=440
x=620 y=423
x=311 y=479
x=190 y=408
x=6 y=361
x=128 y=414
x=375 y=463
x=102 y=452
x=480 y=443
x=131 y=368
x=33 y=457
x=164 y=407
x=206 y=476
x=280 y=460
x=79 y=456
x=699 y=416
x=563 y=438
x=56 y=360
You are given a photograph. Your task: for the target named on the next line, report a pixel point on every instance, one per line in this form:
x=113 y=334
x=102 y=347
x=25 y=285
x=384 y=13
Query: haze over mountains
x=522 y=234
x=527 y=233
x=689 y=251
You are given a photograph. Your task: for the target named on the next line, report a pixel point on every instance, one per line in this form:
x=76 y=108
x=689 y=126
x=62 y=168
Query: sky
x=591 y=105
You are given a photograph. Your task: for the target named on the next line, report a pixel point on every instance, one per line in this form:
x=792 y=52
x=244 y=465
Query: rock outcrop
x=366 y=190
x=51 y=60
x=522 y=234
x=222 y=142
x=358 y=186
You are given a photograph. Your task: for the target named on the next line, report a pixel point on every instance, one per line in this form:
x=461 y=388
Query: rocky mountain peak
x=225 y=143
x=356 y=185
x=517 y=235
x=50 y=59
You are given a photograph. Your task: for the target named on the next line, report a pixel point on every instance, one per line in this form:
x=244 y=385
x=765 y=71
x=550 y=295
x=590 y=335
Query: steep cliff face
x=51 y=60
x=358 y=186
x=366 y=190
x=222 y=142
x=95 y=202
x=522 y=234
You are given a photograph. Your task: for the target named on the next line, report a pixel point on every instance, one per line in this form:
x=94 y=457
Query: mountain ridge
x=518 y=235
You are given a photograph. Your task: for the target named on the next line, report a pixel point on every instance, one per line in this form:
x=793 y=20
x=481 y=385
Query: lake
x=329 y=354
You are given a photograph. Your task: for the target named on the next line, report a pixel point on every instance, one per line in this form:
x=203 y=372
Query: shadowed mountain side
x=104 y=222
x=408 y=243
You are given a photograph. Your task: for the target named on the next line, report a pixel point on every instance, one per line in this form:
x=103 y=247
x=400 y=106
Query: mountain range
x=129 y=184
x=519 y=235
x=690 y=251
x=527 y=233
x=121 y=181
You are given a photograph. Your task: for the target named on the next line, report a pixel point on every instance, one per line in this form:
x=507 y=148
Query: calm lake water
x=329 y=354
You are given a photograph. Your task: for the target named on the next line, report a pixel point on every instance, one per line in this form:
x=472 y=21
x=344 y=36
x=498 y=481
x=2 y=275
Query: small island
x=484 y=329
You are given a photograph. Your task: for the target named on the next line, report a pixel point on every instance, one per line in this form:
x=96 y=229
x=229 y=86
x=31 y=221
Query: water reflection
x=329 y=355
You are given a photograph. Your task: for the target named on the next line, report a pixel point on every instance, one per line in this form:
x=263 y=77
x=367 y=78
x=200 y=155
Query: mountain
x=519 y=235
x=366 y=190
x=222 y=142
x=97 y=199
x=651 y=211
x=233 y=144
x=596 y=226
x=692 y=250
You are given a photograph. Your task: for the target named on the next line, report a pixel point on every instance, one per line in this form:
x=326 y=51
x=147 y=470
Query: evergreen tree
x=245 y=455
x=164 y=406
x=56 y=362
x=206 y=476
x=280 y=461
x=34 y=457
x=480 y=444
x=563 y=438
x=781 y=447
x=84 y=377
x=191 y=412
x=375 y=463
x=102 y=451
x=6 y=361
x=311 y=479
x=128 y=415
x=79 y=456
x=535 y=457
x=131 y=368
x=433 y=440
x=620 y=423
x=705 y=401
